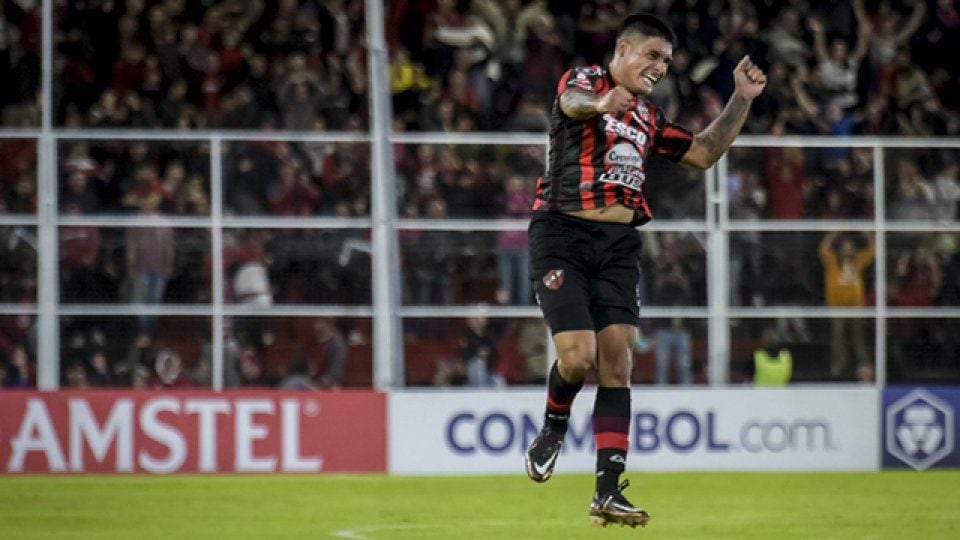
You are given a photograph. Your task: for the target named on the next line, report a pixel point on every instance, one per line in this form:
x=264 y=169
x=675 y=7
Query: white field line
x=360 y=533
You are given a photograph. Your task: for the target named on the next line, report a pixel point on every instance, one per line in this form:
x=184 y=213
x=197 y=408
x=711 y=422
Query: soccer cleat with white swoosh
x=541 y=457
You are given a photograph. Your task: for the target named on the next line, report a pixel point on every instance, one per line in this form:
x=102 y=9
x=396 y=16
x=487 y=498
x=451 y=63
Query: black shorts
x=586 y=273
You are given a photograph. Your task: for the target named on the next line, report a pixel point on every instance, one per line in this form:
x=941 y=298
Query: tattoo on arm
x=579 y=104
x=719 y=135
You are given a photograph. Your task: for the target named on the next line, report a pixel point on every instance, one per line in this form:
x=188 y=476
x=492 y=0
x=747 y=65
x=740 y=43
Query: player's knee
x=578 y=358
x=615 y=370
x=615 y=362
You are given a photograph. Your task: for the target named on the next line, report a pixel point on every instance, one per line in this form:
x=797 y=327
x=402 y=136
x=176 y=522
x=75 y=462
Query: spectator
x=512 y=255
x=98 y=370
x=772 y=363
x=532 y=343
x=410 y=85
x=430 y=266
x=251 y=369
x=295 y=194
x=18 y=176
x=326 y=355
x=889 y=34
x=912 y=198
x=298 y=378
x=15 y=370
x=449 y=372
x=672 y=342
x=946 y=185
x=168 y=371
x=747 y=202
x=785 y=39
x=844 y=268
x=479 y=353
x=672 y=287
x=917 y=281
x=18 y=264
x=20 y=66
x=786 y=174
x=918 y=278
x=76 y=376
x=838 y=66
x=150 y=257
x=79 y=261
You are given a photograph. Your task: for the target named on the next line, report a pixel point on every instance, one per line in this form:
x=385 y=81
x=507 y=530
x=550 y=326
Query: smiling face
x=640 y=61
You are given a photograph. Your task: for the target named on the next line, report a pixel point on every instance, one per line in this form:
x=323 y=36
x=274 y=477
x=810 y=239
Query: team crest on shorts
x=553 y=280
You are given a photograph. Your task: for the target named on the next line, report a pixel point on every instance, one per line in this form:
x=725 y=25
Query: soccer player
x=584 y=242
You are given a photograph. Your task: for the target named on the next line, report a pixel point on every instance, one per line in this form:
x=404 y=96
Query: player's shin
x=611 y=425
x=560 y=396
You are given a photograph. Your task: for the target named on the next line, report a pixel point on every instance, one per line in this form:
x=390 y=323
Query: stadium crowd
x=840 y=68
x=228 y=64
x=863 y=67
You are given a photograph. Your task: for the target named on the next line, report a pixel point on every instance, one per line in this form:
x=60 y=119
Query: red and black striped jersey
x=600 y=161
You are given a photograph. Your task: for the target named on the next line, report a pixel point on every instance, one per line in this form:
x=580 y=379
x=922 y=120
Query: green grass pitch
x=777 y=506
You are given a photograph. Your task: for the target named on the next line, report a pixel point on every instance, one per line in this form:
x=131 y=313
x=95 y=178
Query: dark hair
x=649 y=25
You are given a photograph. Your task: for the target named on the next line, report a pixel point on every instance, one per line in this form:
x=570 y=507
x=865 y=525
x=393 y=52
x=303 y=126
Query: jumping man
x=584 y=242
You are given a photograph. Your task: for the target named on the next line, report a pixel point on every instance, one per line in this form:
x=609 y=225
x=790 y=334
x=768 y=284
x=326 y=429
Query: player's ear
x=623 y=46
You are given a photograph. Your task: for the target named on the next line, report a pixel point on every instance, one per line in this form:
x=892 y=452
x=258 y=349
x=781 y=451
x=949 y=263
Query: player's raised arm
x=581 y=104
x=712 y=142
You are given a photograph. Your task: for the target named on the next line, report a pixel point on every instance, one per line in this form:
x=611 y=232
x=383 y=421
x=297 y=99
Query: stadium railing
x=386 y=226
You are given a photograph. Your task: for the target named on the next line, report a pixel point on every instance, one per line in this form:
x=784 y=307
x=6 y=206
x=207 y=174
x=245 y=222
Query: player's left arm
x=712 y=142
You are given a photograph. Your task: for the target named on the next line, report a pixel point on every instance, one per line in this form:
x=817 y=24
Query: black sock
x=560 y=395
x=608 y=475
x=611 y=426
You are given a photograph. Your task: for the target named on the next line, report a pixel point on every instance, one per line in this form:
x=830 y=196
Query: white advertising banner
x=802 y=429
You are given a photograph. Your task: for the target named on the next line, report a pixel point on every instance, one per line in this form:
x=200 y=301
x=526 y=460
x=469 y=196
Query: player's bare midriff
x=615 y=213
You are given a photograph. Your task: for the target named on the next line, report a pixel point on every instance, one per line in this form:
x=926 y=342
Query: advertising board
x=920 y=427
x=192 y=431
x=671 y=429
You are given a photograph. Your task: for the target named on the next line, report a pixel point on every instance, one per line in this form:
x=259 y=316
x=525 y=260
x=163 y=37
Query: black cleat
x=542 y=454
x=614 y=508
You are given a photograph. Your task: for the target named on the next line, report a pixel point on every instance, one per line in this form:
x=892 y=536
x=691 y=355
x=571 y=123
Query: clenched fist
x=748 y=79
x=616 y=101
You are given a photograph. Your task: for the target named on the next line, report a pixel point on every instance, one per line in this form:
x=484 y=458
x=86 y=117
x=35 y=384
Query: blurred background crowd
x=202 y=64
x=836 y=68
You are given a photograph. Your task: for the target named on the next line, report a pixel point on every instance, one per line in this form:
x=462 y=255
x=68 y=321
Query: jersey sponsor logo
x=553 y=279
x=623 y=154
x=627 y=177
x=612 y=125
x=624 y=166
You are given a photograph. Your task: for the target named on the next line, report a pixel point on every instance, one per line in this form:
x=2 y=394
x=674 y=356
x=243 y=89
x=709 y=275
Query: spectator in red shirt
x=785 y=182
x=295 y=194
x=150 y=257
